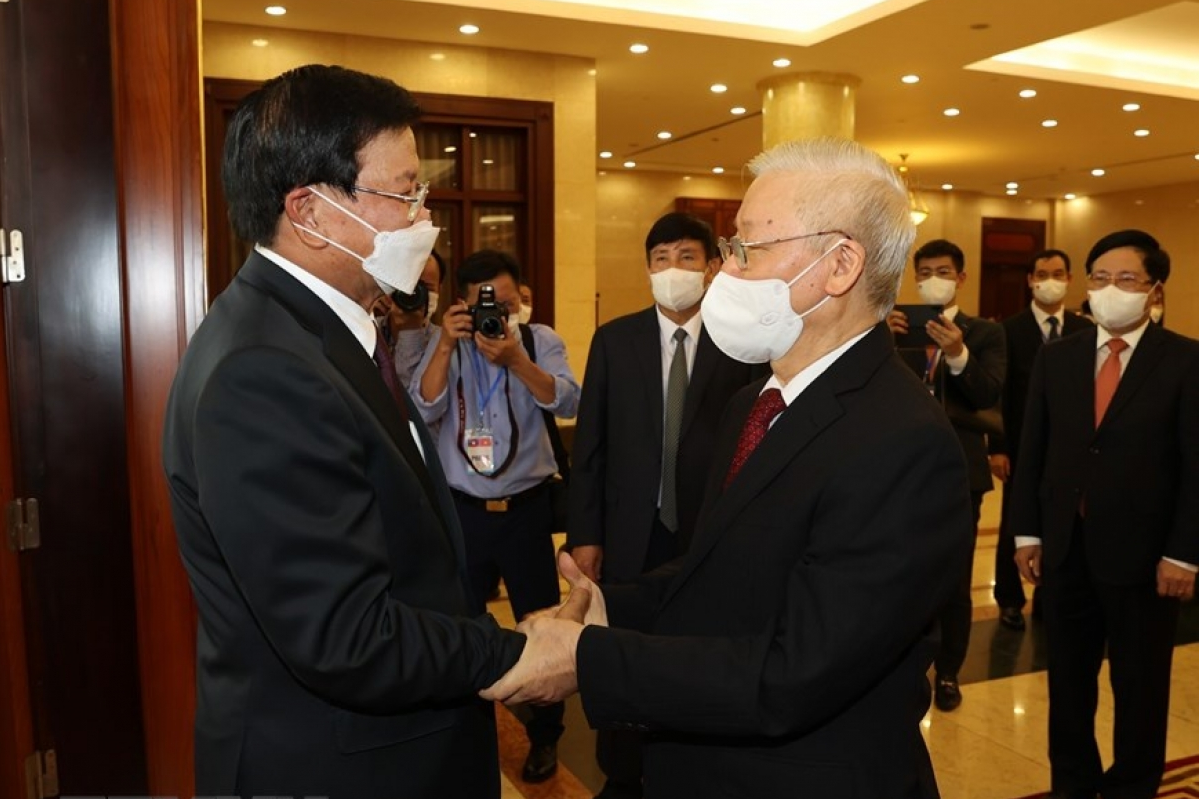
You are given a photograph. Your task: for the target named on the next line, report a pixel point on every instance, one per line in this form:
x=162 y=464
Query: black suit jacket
x=617 y=455
x=1139 y=472
x=787 y=650
x=977 y=388
x=1024 y=340
x=334 y=655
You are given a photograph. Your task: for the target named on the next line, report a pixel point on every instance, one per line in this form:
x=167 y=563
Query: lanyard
x=462 y=420
x=481 y=378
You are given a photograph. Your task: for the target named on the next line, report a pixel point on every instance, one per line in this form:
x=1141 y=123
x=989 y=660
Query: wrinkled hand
x=1175 y=581
x=1028 y=561
x=545 y=672
x=898 y=322
x=590 y=558
x=947 y=336
x=1001 y=467
x=597 y=609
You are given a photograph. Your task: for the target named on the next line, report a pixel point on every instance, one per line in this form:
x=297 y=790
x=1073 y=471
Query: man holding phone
x=966 y=359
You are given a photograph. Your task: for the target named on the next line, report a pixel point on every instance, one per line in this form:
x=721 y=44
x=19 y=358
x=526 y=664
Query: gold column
x=804 y=105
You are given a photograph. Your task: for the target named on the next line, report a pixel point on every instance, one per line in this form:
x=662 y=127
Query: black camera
x=487 y=315
x=418 y=300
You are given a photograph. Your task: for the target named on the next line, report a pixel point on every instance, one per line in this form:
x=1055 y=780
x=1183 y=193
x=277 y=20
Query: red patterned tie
x=768 y=405
x=1108 y=378
x=387 y=369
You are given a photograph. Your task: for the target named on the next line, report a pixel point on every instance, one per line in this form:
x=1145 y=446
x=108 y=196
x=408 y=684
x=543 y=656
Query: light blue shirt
x=534 y=461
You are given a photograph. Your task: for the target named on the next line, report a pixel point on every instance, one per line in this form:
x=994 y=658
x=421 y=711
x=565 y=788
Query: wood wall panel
x=158 y=132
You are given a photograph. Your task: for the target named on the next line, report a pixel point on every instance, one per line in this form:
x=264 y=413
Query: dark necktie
x=1108 y=378
x=676 y=395
x=386 y=364
x=768 y=405
x=1054 y=332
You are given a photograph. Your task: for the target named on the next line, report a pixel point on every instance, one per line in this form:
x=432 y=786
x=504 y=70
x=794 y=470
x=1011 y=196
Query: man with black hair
x=338 y=652
x=1045 y=319
x=411 y=320
x=1106 y=498
x=488 y=394
x=964 y=370
x=645 y=435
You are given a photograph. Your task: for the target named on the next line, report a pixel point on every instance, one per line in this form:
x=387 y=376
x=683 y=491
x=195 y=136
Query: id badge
x=480 y=448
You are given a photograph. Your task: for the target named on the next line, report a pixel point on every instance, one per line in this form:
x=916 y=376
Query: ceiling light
x=719 y=88
x=260 y=42
x=1141 y=132
x=951 y=112
x=1028 y=93
x=1049 y=123
x=488 y=161
x=451 y=149
x=1011 y=192
x=1197 y=156
x=947 y=186
x=917 y=207
x=437 y=56
x=1132 y=106
x=473 y=134
x=630 y=164
x=1098 y=172
x=1013 y=185
x=638 y=49
x=664 y=134
x=591 y=72
x=276 y=11
x=781 y=63
x=910 y=79
x=469 y=30
x=719 y=170
x=605 y=153
x=1071 y=196
x=738 y=110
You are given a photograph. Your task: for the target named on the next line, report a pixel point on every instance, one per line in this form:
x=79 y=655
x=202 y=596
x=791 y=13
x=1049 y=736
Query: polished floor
x=993 y=747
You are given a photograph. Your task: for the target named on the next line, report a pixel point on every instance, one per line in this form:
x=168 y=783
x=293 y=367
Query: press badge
x=480 y=449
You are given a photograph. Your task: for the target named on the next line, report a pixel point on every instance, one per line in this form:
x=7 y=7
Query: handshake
x=546 y=671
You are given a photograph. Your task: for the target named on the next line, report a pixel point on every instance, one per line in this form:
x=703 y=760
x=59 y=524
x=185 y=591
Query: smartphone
x=917 y=337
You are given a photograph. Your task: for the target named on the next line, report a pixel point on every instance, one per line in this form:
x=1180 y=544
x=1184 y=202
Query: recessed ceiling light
x=686 y=177
x=638 y=49
x=591 y=72
x=738 y=110
x=1049 y=123
x=1011 y=192
x=1071 y=196
x=630 y=164
x=910 y=79
x=605 y=153
x=664 y=134
x=1141 y=132
x=451 y=149
x=947 y=186
x=1013 y=185
x=719 y=88
x=488 y=161
x=437 y=56
x=782 y=62
x=951 y=112
x=473 y=134
x=719 y=170
x=276 y=11
x=1028 y=93
x=260 y=42
x=1132 y=106
x=469 y=30
x=1197 y=156
x=1098 y=172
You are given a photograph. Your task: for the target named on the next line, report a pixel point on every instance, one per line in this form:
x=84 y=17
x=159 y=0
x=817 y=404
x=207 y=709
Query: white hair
x=841 y=185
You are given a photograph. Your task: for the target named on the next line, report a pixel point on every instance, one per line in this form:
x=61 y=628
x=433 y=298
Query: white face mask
x=1049 y=292
x=1114 y=309
x=937 y=290
x=513 y=323
x=752 y=321
x=434 y=298
x=677 y=289
x=398 y=257
x=526 y=313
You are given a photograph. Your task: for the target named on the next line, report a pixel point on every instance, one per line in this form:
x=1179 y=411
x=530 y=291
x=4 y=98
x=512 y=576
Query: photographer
x=410 y=318
x=479 y=383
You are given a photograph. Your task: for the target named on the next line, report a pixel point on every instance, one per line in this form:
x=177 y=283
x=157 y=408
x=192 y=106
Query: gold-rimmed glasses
x=415 y=201
x=736 y=247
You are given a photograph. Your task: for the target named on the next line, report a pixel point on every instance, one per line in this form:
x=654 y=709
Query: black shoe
x=1012 y=618
x=541 y=763
x=946 y=693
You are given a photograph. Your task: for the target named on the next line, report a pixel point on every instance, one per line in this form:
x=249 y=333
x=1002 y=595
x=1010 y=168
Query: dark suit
x=1024 y=338
x=334 y=655
x=788 y=648
x=617 y=455
x=1135 y=481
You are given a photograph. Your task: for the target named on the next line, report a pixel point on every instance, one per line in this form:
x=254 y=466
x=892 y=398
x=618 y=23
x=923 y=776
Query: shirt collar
x=814 y=370
x=666 y=327
x=950 y=312
x=1041 y=316
x=1131 y=338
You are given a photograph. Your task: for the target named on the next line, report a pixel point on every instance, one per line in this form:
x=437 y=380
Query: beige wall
x=473 y=71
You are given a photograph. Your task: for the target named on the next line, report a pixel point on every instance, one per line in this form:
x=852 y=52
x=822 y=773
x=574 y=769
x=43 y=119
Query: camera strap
x=512 y=426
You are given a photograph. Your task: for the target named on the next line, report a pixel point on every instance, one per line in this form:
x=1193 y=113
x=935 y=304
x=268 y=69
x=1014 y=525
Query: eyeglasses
x=1124 y=280
x=945 y=272
x=738 y=248
x=415 y=201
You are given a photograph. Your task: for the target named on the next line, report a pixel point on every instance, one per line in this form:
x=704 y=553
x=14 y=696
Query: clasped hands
x=546 y=671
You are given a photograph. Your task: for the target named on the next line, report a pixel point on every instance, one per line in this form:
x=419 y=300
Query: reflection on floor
x=993 y=747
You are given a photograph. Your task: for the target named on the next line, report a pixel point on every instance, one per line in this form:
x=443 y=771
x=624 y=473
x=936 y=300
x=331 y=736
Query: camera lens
x=491 y=326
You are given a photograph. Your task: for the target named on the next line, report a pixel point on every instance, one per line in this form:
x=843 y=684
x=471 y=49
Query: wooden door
x=1008 y=247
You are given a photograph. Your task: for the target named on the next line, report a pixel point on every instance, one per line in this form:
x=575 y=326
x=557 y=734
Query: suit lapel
x=702 y=371
x=1144 y=358
x=649 y=360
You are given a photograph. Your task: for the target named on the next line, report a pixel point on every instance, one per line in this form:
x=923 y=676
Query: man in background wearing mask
x=410 y=318
x=488 y=398
x=653 y=394
x=337 y=651
x=1105 y=508
x=964 y=371
x=1045 y=319
x=785 y=653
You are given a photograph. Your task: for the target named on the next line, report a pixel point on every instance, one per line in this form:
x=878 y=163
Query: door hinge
x=24 y=526
x=41 y=775
x=12 y=253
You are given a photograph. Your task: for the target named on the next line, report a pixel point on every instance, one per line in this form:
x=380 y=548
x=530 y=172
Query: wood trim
x=157 y=95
